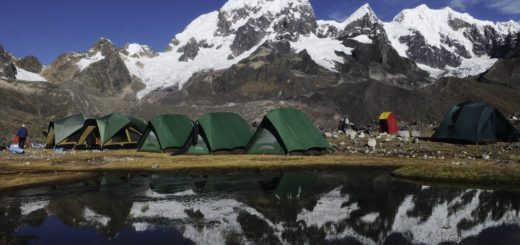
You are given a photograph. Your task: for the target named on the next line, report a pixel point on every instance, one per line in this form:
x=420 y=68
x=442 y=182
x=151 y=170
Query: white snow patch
x=328 y=209
x=95 y=218
x=434 y=72
x=441 y=226
x=29 y=207
x=360 y=13
x=25 y=75
x=322 y=50
x=370 y=218
x=85 y=62
x=135 y=49
x=363 y=39
x=221 y=217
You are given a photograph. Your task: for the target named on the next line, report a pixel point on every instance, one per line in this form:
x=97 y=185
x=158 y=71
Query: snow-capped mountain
x=443 y=42
x=447 y=42
x=26 y=69
x=222 y=38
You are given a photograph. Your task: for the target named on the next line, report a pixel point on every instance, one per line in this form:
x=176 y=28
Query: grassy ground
x=426 y=161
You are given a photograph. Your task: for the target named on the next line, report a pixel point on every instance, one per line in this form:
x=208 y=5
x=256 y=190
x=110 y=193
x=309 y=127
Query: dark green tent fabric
x=149 y=142
x=224 y=131
x=475 y=122
x=199 y=145
x=66 y=127
x=111 y=124
x=286 y=130
x=166 y=132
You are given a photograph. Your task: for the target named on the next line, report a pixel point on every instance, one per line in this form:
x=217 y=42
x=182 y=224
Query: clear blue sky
x=48 y=28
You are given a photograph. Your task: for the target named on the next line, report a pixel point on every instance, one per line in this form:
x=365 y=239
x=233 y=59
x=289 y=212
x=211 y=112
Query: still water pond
x=339 y=207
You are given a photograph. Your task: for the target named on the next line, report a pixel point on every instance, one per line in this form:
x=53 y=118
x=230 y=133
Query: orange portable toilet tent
x=388 y=123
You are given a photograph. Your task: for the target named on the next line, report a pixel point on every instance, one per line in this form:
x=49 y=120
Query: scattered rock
x=372 y=143
x=415 y=133
x=361 y=135
x=404 y=134
x=328 y=135
x=351 y=134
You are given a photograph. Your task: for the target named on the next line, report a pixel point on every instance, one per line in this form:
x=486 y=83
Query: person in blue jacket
x=22 y=136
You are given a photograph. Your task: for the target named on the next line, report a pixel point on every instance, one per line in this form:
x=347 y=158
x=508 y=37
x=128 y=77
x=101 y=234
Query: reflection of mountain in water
x=357 y=206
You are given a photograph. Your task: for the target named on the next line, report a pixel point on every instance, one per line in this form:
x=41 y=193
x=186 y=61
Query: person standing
x=22 y=136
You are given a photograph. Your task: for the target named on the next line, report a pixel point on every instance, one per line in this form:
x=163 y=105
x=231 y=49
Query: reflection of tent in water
x=113 y=130
x=475 y=122
x=220 y=132
x=65 y=132
x=285 y=131
x=171 y=184
x=166 y=133
x=291 y=185
x=106 y=205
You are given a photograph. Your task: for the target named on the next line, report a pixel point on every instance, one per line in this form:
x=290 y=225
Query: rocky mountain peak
x=363 y=12
x=7 y=67
x=266 y=6
x=103 y=46
x=363 y=21
x=135 y=50
x=30 y=63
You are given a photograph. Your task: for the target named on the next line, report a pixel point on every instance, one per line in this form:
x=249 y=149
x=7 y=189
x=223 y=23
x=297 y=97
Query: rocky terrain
x=251 y=56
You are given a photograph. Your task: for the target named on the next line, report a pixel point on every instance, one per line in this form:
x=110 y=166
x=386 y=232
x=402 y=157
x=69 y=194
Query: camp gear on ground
x=15 y=148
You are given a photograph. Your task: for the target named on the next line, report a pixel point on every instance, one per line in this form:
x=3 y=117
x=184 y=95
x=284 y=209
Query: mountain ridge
x=252 y=55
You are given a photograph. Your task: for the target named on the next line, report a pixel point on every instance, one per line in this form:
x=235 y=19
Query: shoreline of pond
x=45 y=167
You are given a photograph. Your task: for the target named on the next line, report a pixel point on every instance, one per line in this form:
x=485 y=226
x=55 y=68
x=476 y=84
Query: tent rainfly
x=388 y=123
x=64 y=132
x=219 y=132
x=475 y=122
x=111 y=131
x=286 y=131
x=167 y=133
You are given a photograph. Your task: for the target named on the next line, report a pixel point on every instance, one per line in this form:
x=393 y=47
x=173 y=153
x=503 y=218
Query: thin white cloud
x=458 y=4
x=339 y=16
x=464 y=4
x=504 y=6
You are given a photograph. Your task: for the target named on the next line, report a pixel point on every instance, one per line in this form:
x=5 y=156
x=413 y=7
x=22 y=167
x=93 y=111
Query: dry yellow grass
x=44 y=166
x=17 y=180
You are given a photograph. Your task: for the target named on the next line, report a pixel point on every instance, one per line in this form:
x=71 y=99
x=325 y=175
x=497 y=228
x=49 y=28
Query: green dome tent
x=166 y=133
x=220 y=132
x=65 y=132
x=285 y=131
x=113 y=130
x=475 y=122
